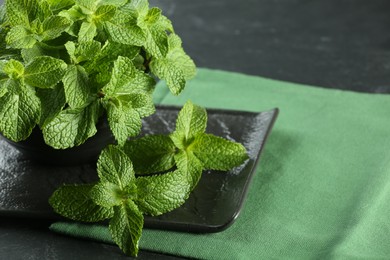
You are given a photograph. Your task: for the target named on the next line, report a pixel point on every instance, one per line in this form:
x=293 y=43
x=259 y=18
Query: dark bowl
x=34 y=148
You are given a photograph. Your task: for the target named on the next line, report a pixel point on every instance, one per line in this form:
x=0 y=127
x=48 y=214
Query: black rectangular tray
x=25 y=185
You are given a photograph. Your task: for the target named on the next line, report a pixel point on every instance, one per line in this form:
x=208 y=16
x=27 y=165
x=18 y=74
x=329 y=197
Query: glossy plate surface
x=25 y=185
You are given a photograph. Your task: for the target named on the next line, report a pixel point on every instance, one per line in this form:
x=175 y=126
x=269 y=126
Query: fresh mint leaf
x=54 y=26
x=176 y=56
x=153 y=15
x=140 y=101
x=176 y=67
x=210 y=151
x=83 y=51
x=19 y=37
x=87 y=50
x=123 y=28
x=103 y=75
x=104 y=13
x=14 y=69
x=112 y=50
x=21 y=12
x=162 y=193
x=71 y=49
x=72 y=127
x=153 y=26
x=138 y=81
x=103 y=62
x=87 y=5
x=36 y=28
x=44 y=72
x=52 y=102
x=126 y=227
x=134 y=99
x=115 y=167
x=126 y=79
x=76 y=85
x=123 y=120
x=140 y=7
x=192 y=120
x=19 y=111
x=190 y=166
x=74 y=14
x=43 y=10
x=88 y=31
x=130 y=34
x=217 y=153
x=74 y=202
x=156 y=37
x=6 y=53
x=25 y=12
x=166 y=23
x=57 y=5
x=146 y=108
x=107 y=194
x=164 y=69
x=3 y=87
x=151 y=154
x=156 y=41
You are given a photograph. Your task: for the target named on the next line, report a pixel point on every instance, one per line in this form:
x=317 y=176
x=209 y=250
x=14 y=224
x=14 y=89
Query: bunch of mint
x=64 y=64
x=168 y=167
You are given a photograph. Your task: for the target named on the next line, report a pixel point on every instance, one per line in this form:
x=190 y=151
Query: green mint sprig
x=124 y=198
x=20 y=107
x=120 y=197
x=111 y=198
x=31 y=22
x=188 y=147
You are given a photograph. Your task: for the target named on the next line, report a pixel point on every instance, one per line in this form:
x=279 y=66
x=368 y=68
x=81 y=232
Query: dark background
x=336 y=44
x=342 y=44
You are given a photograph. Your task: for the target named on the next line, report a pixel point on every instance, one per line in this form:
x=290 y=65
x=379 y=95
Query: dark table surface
x=343 y=44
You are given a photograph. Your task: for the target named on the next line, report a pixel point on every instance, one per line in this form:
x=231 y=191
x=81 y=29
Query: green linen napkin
x=322 y=189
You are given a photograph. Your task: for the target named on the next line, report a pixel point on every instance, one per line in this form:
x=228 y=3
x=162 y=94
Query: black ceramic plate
x=25 y=186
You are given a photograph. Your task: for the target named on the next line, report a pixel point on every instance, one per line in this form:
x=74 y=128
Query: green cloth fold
x=322 y=188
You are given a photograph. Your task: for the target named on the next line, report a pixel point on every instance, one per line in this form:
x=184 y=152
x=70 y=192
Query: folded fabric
x=322 y=189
